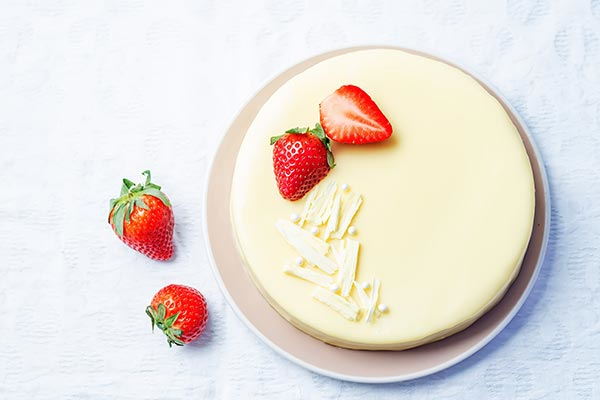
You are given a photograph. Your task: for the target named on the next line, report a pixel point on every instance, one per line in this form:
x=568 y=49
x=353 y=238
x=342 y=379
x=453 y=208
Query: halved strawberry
x=349 y=115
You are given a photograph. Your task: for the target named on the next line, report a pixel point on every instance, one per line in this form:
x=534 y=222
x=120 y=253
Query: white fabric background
x=91 y=92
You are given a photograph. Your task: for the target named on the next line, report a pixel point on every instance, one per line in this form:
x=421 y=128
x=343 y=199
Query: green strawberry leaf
x=320 y=133
x=157 y=193
x=124 y=189
x=297 y=130
x=162 y=311
x=118 y=217
x=129 y=210
x=141 y=203
x=152 y=314
x=330 y=159
x=147 y=173
x=275 y=138
x=171 y=320
x=111 y=205
x=172 y=339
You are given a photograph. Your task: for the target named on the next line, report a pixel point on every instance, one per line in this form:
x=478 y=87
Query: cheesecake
x=405 y=241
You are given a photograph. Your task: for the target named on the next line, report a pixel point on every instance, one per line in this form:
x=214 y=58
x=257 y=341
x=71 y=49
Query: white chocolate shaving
x=345 y=306
x=362 y=295
x=310 y=247
x=320 y=208
x=348 y=267
x=349 y=208
x=334 y=218
x=308 y=275
x=338 y=254
x=308 y=205
x=373 y=299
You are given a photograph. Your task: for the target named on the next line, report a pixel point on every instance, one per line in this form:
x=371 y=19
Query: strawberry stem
x=147 y=173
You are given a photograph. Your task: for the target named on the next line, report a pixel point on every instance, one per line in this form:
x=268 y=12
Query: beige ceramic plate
x=353 y=365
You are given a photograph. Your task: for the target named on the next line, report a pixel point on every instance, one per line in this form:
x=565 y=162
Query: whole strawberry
x=301 y=158
x=180 y=312
x=143 y=219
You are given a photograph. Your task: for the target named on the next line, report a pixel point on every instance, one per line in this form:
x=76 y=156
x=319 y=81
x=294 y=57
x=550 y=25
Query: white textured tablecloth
x=91 y=92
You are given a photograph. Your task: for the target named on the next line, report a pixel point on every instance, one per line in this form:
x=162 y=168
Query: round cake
x=406 y=241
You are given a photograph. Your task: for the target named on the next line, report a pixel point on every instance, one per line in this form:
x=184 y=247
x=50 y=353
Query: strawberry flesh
x=349 y=115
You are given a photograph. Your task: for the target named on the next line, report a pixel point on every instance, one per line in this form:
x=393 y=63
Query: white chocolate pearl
x=365 y=285
x=334 y=287
x=314 y=230
x=299 y=261
x=382 y=307
x=345 y=187
x=352 y=230
x=294 y=217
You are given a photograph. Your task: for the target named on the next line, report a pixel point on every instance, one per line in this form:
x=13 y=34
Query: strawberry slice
x=349 y=115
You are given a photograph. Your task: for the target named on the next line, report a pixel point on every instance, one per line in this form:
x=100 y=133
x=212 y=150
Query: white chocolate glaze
x=447 y=209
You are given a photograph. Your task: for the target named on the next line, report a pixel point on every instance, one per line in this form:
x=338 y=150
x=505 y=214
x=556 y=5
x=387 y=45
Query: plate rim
x=427 y=371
